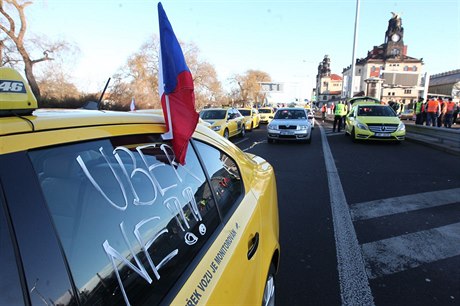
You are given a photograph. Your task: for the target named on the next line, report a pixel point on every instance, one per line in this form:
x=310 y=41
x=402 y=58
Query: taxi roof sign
x=16 y=97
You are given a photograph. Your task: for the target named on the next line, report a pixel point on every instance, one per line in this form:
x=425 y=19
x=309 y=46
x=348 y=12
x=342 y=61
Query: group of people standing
x=436 y=112
x=339 y=111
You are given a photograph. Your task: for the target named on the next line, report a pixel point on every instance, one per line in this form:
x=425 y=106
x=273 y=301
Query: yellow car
x=266 y=114
x=372 y=121
x=226 y=122
x=95 y=210
x=252 y=117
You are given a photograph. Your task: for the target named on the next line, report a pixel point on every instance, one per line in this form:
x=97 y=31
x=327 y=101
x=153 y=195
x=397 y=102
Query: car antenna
x=102 y=95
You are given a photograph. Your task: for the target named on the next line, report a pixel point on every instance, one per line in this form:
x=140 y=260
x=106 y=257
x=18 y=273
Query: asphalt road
x=365 y=223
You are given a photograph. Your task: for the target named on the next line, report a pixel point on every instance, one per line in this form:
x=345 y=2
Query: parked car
x=373 y=121
x=252 y=117
x=266 y=114
x=408 y=114
x=290 y=124
x=227 y=122
x=94 y=210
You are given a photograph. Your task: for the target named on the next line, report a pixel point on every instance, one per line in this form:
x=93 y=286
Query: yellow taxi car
x=369 y=120
x=252 y=117
x=266 y=114
x=94 y=210
x=226 y=122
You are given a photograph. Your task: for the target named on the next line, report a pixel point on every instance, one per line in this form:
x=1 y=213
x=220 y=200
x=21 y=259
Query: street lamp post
x=353 y=58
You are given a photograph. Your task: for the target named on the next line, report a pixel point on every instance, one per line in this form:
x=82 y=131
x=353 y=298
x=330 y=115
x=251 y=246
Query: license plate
x=382 y=134
x=286 y=133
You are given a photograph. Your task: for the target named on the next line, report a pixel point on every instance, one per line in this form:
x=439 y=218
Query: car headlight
x=302 y=127
x=272 y=127
x=361 y=125
x=216 y=128
x=401 y=127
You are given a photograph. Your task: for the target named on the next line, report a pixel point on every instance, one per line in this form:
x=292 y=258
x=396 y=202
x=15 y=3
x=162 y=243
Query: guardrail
x=438 y=135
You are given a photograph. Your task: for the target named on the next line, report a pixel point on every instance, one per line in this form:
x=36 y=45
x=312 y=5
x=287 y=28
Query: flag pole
x=169 y=134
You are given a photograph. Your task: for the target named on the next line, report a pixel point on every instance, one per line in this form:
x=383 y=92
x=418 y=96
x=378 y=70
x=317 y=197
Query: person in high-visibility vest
x=339 y=112
x=323 y=112
x=432 y=110
x=450 y=105
x=442 y=112
x=418 y=111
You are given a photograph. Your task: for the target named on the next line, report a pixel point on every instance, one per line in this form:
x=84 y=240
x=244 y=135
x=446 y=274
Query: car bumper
x=369 y=135
x=288 y=135
x=265 y=120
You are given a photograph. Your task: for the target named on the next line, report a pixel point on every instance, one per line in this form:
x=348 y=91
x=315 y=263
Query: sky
x=286 y=39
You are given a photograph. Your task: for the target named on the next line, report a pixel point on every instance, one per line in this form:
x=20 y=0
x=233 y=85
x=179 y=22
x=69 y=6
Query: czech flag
x=176 y=90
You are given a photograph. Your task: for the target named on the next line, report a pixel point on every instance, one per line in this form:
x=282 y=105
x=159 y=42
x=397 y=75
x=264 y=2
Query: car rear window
x=245 y=112
x=129 y=218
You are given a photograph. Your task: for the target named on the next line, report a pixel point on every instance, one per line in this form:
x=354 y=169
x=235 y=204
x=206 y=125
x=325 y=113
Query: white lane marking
x=385 y=207
x=254 y=144
x=404 y=252
x=244 y=139
x=354 y=284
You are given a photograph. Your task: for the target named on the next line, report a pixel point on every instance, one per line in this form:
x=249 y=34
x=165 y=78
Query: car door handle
x=253 y=245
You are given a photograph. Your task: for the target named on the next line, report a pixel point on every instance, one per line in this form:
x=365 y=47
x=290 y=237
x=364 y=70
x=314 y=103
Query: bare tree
x=13 y=24
x=138 y=78
x=249 y=86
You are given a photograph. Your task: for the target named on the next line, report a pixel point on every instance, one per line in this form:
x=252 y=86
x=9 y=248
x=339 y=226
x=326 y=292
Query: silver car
x=290 y=124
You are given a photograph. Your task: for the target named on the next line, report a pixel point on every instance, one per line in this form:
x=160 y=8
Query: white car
x=290 y=124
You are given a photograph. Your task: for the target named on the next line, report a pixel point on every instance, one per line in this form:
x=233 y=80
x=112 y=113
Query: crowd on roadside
x=437 y=112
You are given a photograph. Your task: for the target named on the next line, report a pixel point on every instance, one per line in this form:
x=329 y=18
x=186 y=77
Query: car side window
x=10 y=285
x=225 y=177
x=130 y=219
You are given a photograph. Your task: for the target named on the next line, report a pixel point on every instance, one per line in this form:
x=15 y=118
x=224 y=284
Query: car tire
x=308 y=140
x=226 y=134
x=243 y=132
x=353 y=135
x=269 y=140
x=268 y=299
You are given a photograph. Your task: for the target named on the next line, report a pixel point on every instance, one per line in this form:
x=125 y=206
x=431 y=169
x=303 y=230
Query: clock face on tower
x=395 y=37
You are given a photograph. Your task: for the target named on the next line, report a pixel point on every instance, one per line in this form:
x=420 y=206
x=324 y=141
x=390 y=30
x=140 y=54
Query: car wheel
x=252 y=126
x=268 y=298
x=353 y=135
x=226 y=134
x=243 y=132
x=269 y=140
x=308 y=140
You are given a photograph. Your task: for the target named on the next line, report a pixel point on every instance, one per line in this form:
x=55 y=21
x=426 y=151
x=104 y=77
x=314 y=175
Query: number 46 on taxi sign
x=12 y=86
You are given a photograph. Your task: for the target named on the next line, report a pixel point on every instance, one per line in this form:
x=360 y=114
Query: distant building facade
x=400 y=74
x=328 y=86
x=446 y=83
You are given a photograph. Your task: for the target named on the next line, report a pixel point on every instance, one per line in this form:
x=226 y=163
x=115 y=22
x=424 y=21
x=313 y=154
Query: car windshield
x=245 y=112
x=376 y=111
x=290 y=114
x=213 y=114
x=265 y=111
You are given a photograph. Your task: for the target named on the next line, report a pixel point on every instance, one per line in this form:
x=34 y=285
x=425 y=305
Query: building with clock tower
x=396 y=75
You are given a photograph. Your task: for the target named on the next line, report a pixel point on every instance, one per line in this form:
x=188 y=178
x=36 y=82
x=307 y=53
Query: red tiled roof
x=336 y=77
